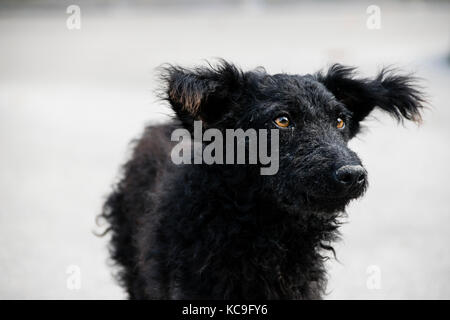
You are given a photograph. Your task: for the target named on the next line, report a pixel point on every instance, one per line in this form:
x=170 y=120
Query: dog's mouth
x=320 y=198
x=330 y=202
x=335 y=193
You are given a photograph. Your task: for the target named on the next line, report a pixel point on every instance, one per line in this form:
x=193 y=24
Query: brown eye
x=282 y=122
x=340 y=124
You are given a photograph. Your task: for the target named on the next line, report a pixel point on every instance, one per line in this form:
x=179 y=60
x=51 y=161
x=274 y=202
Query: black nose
x=351 y=175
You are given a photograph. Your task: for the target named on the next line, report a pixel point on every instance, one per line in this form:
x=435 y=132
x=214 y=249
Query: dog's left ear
x=396 y=94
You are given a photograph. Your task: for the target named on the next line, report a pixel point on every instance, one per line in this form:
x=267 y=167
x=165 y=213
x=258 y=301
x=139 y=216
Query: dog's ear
x=396 y=94
x=204 y=93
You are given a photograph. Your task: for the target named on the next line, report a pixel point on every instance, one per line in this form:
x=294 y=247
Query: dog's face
x=316 y=167
x=316 y=115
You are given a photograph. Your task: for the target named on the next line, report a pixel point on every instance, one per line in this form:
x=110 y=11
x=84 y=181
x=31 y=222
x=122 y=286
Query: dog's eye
x=340 y=124
x=282 y=122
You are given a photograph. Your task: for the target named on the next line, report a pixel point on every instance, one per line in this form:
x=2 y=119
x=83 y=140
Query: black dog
x=225 y=231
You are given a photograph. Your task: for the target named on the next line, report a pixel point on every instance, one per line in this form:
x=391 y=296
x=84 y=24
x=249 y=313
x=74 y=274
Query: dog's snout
x=351 y=175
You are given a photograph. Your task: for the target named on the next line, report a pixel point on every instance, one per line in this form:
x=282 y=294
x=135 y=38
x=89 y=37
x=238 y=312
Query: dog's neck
x=259 y=240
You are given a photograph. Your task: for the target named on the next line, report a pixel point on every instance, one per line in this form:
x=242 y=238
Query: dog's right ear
x=204 y=93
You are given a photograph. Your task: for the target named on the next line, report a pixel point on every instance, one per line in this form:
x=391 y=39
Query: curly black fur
x=225 y=231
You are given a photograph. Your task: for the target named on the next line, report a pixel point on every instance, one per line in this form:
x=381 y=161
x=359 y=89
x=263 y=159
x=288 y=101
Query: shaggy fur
x=225 y=231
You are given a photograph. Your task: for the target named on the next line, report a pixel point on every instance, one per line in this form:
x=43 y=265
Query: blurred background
x=73 y=93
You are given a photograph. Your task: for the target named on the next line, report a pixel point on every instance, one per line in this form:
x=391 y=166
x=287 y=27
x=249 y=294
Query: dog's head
x=315 y=115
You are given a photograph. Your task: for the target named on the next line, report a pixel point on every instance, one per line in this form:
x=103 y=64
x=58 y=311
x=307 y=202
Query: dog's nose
x=350 y=175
